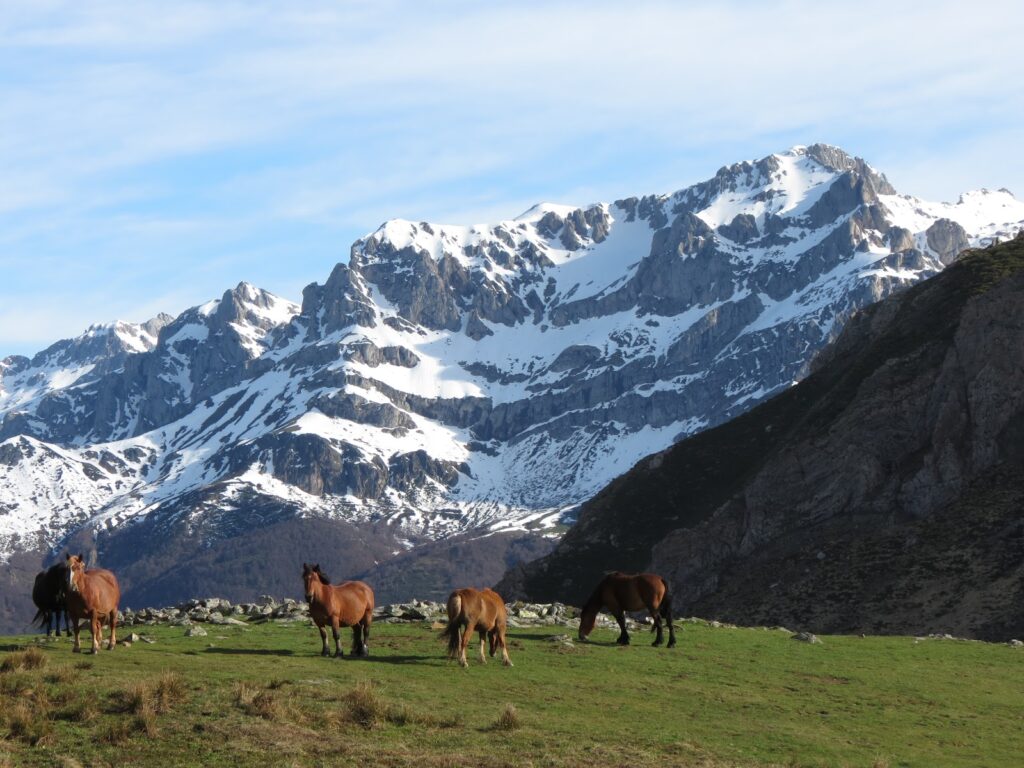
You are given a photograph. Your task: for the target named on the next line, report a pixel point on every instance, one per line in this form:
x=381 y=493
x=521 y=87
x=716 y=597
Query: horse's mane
x=323 y=576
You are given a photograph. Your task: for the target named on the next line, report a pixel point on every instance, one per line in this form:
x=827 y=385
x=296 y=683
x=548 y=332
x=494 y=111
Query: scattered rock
x=806 y=637
x=1016 y=644
x=195 y=631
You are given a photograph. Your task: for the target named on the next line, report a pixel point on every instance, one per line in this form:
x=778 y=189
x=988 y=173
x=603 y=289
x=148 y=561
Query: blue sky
x=151 y=158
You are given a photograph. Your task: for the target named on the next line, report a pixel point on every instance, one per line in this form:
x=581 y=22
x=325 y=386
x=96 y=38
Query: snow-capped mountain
x=456 y=378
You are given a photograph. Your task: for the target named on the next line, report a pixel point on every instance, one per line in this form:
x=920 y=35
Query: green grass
x=263 y=696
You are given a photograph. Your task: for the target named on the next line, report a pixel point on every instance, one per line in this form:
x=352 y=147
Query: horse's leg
x=97 y=632
x=656 y=615
x=500 y=633
x=483 y=636
x=326 y=651
x=113 y=630
x=623 y=638
x=49 y=623
x=365 y=624
x=666 y=611
x=357 y=640
x=77 y=647
x=335 y=624
x=492 y=636
x=466 y=635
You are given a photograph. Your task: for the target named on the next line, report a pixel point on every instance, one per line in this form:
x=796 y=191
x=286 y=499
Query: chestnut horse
x=349 y=604
x=621 y=592
x=92 y=594
x=471 y=610
x=49 y=593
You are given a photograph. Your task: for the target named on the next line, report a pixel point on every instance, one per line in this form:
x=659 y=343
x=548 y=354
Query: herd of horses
x=93 y=594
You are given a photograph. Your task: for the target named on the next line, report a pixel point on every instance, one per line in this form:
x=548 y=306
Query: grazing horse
x=49 y=593
x=621 y=592
x=471 y=610
x=92 y=594
x=349 y=604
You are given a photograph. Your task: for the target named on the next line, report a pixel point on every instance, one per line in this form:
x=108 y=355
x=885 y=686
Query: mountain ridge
x=486 y=378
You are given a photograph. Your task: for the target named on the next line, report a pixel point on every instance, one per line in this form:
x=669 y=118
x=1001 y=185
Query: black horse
x=49 y=593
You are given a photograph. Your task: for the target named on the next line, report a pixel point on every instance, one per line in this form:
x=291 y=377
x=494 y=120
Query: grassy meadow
x=261 y=695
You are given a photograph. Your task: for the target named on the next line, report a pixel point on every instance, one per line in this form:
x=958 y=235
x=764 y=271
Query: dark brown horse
x=349 y=604
x=471 y=610
x=49 y=593
x=621 y=592
x=93 y=594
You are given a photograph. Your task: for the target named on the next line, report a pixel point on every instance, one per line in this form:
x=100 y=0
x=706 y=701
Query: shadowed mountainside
x=881 y=494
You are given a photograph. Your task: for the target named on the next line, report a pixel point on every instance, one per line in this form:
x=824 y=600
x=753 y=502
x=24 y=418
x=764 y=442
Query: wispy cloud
x=215 y=141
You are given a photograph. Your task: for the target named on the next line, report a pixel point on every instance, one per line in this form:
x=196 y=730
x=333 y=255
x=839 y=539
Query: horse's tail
x=451 y=632
x=40 y=618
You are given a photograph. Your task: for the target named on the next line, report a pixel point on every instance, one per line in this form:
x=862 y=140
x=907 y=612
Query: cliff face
x=883 y=493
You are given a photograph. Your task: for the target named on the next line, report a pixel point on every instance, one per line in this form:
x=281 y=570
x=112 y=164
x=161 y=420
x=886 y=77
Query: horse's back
x=360 y=588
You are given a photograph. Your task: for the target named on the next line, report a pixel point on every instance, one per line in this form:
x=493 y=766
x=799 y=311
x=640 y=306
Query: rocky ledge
x=217 y=610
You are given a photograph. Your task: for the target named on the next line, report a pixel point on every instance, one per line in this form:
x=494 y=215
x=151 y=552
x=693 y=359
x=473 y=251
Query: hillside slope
x=882 y=493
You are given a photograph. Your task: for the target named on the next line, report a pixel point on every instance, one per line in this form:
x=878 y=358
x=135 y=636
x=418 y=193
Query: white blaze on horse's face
x=71 y=579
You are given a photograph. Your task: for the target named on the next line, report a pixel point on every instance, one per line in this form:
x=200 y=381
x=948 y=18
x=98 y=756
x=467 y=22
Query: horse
x=621 y=592
x=349 y=604
x=481 y=611
x=92 y=594
x=49 y=593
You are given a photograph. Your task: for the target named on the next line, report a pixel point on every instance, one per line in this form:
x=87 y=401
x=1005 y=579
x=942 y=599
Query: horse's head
x=311 y=577
x=587 y=621
x=76 y=567
x=588 y=616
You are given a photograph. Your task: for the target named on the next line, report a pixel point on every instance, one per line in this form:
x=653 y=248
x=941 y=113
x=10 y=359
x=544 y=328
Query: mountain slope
x=883 y=493
x=466 y=380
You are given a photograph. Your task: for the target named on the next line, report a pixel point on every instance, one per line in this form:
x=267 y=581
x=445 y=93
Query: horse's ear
x=317 y=567
x=81 y=557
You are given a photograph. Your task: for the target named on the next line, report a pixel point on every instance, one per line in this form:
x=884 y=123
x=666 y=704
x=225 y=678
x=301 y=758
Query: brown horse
x=92 y=594
x=621 y=592
x=481 y=611
x=349 y=604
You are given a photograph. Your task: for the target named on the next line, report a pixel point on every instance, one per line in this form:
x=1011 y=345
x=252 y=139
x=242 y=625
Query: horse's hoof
x=508 y=663
x=656 y=643
x=76 y=650
x=671 y=643
x=620 y=641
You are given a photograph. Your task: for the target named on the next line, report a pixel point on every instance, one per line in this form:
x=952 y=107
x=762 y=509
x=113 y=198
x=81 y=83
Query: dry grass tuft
x=364 y=706
x=145 y=722
x=117 y=733
x=508 y=720
x=28 y=724
x=138 y=699
x=880 y=762
x=78 y=709
x=168 y=690
x=61 y=675
x=30 y=658
x=244 y=694
x=259 y=703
